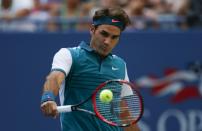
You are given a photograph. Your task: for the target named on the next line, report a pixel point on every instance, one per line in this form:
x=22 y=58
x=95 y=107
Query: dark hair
x=117 y=13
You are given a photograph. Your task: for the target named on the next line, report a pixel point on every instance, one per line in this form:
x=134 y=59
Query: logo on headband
x=115 y=21
x=109 y=21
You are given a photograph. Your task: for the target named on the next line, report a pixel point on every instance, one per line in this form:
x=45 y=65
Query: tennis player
x=76 y=72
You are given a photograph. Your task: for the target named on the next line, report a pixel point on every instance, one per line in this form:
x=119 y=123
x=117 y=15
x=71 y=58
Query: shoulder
x=117 y=58
x=75 y=51
x=62 y=52
x=67 y=52
x=77 y=48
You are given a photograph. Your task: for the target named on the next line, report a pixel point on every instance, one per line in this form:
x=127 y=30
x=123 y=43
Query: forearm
x=50 y=91
x=52 y=85
x=132 y=128
x=126 y=113
x=53 y=82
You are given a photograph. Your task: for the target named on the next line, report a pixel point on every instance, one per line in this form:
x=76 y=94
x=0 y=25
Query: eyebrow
x=103 y=31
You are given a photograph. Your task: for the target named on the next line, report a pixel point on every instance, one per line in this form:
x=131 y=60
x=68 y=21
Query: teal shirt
x=88 y=70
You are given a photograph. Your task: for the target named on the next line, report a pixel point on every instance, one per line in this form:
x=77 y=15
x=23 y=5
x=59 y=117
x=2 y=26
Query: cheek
x=99 y=40
x=114 y=43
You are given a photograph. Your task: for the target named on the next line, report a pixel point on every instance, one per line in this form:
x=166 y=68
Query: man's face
x=104 y=38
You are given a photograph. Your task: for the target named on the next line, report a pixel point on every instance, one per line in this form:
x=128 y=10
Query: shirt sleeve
x=126 y=90
x=62 y=61
x=126 y=74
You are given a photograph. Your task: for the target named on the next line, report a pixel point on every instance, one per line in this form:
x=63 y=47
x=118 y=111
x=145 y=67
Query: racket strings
x=125 y=106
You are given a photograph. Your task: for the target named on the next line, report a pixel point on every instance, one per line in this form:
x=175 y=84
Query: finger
x=54 y=110
x=56 y=114
x=45 y=107
x=49 y=108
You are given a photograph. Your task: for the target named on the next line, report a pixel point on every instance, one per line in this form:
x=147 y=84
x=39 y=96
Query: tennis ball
x=106 y=96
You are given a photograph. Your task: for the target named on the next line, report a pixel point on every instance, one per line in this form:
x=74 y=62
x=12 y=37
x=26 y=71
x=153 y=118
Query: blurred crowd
x=76 y=15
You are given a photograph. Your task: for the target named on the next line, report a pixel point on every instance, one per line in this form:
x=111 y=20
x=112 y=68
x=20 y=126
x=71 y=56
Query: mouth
x=103 y=47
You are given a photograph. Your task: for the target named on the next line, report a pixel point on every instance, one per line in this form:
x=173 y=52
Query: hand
x=132 y=128
x=49 y=108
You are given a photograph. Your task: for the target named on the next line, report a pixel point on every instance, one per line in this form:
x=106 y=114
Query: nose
x=107 y=41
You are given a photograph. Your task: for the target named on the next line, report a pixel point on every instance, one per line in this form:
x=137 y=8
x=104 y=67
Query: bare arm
x=132 y=128
x=52 y=84
x=126 y=113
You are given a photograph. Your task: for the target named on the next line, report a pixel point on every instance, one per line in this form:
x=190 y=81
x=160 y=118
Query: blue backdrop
x=26 y=60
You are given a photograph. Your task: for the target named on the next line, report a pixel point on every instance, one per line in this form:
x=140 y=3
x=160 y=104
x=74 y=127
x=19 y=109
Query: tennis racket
x=125 y=109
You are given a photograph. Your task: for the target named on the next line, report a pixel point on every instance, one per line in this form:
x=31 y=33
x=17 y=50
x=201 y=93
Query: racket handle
x=62 y=109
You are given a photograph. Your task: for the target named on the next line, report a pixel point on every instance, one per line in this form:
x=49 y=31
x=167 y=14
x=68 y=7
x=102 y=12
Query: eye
x=115 y=37
x=104 y=33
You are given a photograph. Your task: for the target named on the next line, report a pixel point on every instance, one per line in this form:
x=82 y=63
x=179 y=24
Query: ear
x=92 y=29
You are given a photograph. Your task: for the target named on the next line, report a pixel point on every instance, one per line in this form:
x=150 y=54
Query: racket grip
x=62 y=109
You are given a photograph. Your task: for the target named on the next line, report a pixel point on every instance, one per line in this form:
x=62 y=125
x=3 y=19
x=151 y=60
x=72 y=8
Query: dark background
x=26 y=60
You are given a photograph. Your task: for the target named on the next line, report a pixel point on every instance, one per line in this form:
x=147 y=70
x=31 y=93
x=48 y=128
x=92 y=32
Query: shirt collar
x=85 y=46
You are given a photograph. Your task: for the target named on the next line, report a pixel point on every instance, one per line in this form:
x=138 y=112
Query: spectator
x=181 y=9
x=11 y=9
x=72 y=11
x=194 y=18
x=5 y=10
x=39 y=15
x=13 y=14
x=161 y=14
x=135 y=10
x=104 y=4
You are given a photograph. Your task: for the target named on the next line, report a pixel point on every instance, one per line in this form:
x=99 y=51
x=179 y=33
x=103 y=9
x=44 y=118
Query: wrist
x=47 y=96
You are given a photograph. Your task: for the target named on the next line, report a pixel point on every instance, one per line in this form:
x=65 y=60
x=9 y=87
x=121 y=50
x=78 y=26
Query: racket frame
x=109 y=122
x=70 y=108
